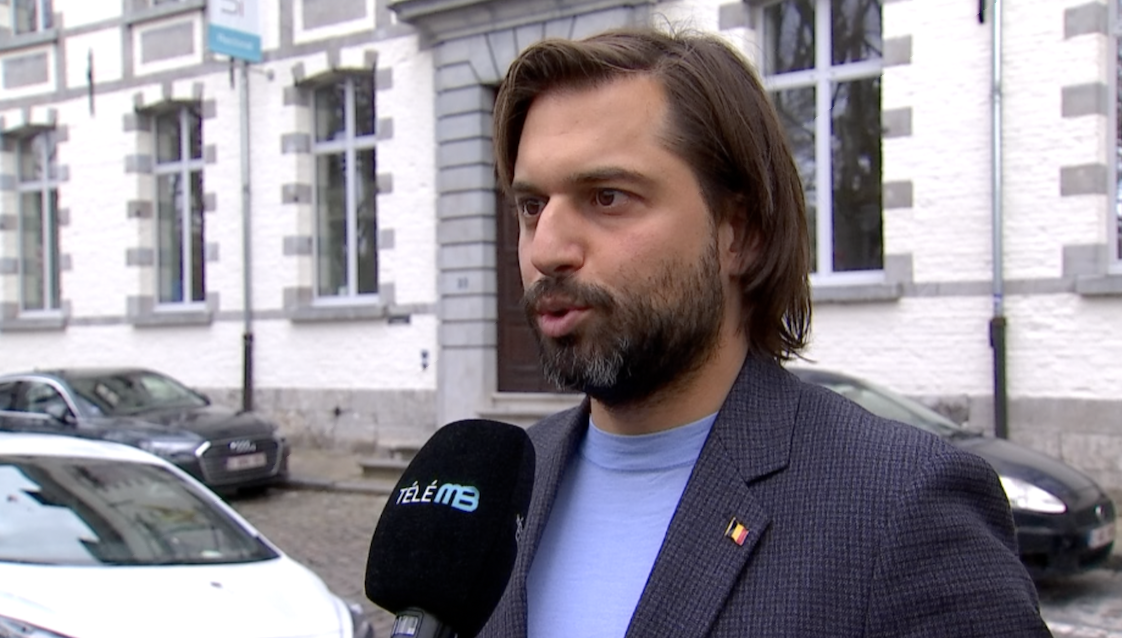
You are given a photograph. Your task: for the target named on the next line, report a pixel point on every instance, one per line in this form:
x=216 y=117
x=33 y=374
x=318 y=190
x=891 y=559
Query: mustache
x=568 y=289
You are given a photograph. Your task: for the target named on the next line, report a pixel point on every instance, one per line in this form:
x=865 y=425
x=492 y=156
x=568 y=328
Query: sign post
x=233 y=29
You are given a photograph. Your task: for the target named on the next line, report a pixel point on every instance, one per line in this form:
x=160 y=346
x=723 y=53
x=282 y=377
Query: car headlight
x=360 y=626
x=169 y=447
x=1026 y=496
x=12 y=628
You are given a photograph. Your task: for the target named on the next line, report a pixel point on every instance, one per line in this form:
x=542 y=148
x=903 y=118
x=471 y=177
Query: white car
x=102 y=540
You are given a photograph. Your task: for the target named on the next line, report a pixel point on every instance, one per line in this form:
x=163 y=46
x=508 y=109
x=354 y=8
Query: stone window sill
x=173 y=318
x=35 y=322
x=355 y=312
x=166 y=10
x=1099 y=285
x=856 y=293
x=28 y=40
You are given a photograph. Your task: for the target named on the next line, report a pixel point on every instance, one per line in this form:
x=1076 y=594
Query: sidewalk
x=332 y=470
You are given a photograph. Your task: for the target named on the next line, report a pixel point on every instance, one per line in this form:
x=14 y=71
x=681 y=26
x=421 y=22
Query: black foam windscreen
x=447 y=539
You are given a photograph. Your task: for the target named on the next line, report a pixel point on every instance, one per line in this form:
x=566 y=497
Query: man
x=701 y=490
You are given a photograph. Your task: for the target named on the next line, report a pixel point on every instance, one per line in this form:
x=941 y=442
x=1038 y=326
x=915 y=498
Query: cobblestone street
x=328 y=532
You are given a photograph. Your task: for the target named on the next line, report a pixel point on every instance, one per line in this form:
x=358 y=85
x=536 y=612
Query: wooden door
x=519 y=368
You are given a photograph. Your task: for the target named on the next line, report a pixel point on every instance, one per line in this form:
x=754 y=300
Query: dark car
x=225 y=449
x=1064 y=520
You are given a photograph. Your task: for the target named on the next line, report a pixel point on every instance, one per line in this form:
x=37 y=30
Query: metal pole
x=247 y=268
x=998 y=322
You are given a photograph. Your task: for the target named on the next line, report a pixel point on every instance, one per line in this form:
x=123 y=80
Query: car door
x=40 y=407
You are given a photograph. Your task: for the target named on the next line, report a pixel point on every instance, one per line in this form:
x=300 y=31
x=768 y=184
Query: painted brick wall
x=1065 y=349
x=374 y=361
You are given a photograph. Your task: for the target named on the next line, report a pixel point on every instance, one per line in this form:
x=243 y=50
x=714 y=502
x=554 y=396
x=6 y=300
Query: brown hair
x=724 y=126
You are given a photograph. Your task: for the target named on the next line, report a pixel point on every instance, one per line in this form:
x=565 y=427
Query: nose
x=553 y=244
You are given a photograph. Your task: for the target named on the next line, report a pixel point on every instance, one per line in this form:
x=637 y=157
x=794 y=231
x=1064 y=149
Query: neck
x=687 y=400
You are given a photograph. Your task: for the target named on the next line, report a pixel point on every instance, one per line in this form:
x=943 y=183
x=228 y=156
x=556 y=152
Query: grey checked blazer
x=857 y=526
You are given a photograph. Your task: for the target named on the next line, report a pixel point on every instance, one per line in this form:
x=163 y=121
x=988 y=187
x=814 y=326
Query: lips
x=558 y=317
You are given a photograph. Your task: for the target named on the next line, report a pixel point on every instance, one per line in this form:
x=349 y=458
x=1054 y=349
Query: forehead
x=620 y=120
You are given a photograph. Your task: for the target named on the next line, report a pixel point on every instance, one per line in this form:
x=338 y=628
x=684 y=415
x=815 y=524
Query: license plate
x=245 y=461
x=1100 y=536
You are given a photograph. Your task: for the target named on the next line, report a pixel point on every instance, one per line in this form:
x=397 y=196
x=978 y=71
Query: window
x=1115 y=234
x=180 y=229
x=37 y=188
x=346 y=231
x=27 y=16
x=822 y=63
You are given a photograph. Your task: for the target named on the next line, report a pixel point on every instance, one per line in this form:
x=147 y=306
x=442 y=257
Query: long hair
x=722 y=124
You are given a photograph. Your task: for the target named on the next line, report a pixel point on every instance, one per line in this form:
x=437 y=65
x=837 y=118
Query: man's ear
x=738 y=243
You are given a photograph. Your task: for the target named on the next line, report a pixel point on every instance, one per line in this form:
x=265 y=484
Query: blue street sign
x=233 y=29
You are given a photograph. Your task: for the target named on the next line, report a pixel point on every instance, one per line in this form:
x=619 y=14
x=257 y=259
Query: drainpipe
x=247 y=264
x=998 y=323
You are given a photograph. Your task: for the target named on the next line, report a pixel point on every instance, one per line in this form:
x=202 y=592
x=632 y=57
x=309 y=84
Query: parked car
x=101 y=540
x=1064 y=520
x=225 y=449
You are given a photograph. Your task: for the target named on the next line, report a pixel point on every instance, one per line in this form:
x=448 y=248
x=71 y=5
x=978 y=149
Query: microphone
x=445 y=544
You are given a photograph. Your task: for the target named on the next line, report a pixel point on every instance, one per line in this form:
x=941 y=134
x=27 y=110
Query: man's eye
x=529 y=207
x=608 y=197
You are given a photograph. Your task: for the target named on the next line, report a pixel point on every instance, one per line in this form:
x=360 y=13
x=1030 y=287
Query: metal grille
x=214 y=459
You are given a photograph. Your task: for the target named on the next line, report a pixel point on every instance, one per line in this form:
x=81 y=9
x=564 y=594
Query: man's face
x=618 y=251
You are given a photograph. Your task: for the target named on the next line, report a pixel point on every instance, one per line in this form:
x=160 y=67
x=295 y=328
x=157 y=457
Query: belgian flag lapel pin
x=737 y=532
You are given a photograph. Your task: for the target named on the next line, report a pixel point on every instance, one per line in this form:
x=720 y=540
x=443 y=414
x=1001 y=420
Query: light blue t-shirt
x=612 y=510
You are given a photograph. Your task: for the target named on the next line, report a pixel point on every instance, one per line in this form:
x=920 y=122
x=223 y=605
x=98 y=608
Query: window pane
x=1118 y=141
x=366 y=194
x=169 y=248
x=331 y=225
x=25 y=16
x=198 y=239
x=330 y=102
x=31 y=250
x=169 y=145
x=195 y=132
x=789 y=36
x=30 y=160
x=855 y=30
x=364 y=105
x=796 y=109
x=51 y=265
x=856 y=156
x=33 y=151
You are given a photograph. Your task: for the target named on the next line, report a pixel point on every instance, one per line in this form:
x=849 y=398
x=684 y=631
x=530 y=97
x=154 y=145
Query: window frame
x=47 y=184
x=822 y=77
x=44 y=20
x=350 y=145
x=1114 y=144
x=184 y=167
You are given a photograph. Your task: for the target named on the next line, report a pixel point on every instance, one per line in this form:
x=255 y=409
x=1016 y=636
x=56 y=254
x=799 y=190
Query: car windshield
x=79 y=511
x=888 y=404
x=133 y=392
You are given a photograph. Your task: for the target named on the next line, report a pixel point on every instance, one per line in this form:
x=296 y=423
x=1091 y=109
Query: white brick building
x=375 y=318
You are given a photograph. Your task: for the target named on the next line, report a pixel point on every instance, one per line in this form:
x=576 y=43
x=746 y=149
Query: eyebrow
x=590 y=177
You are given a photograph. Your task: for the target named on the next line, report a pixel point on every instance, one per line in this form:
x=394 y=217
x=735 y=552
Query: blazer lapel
x=554 y=445
x=702 y=556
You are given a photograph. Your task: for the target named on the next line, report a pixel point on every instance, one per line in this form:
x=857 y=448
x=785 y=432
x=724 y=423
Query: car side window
x=8 y=395
x=43 y=398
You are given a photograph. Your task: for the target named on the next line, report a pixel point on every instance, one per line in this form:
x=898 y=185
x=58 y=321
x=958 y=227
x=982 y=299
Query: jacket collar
x=750 y=439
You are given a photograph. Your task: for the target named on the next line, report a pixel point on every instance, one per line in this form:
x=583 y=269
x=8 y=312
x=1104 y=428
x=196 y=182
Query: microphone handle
x=417 y=623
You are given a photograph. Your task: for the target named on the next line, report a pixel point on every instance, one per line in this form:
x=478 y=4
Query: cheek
x=525 y=268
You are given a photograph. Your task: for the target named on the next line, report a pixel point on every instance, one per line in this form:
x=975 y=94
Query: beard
x=636 y=342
